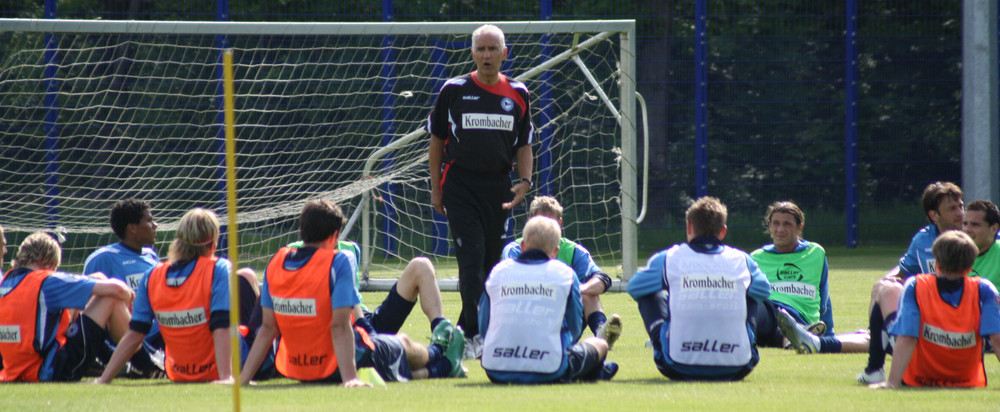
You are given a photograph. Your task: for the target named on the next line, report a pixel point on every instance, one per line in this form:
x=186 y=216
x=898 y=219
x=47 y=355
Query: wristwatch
x=526 y=180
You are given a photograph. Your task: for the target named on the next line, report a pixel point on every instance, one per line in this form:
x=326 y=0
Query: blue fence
x=848 y=108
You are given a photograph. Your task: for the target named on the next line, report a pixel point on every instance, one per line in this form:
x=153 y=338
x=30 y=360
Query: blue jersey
x=652 y=279
x=142 y=310
x=825 y=305
x=569 y=333
x=342 y=290
x=908 y=316
x=121 y=262
x=582 y=263
x=59 y=291
x=918 y=257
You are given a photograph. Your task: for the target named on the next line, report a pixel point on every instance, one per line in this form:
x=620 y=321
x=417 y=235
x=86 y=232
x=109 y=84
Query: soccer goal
x=96 y=111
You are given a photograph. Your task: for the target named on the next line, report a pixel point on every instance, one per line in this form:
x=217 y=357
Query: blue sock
x=434 y=351
x=436 y=321
x=876 y=355
x=829 y=344
x=439 y=368
x=595 y=320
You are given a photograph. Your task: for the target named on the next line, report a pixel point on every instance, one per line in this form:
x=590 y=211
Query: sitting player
x=531 y=316
x=189 y=297
x=798 y=272
x=593 y=282
x=698 y=283
x=311 y=289
x=981 y=223
x=133 y=255
x=942 y=204
x=942 y=320
x=40 y=340
x=128 y=260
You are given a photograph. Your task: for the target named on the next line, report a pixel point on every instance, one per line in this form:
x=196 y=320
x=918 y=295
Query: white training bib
x=527 y=307
x=708 y=309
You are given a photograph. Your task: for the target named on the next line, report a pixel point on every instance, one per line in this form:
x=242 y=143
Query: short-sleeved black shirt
x=483 y=126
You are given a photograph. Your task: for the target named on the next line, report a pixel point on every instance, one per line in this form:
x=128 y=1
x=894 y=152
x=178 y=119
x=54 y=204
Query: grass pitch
x=782 y=380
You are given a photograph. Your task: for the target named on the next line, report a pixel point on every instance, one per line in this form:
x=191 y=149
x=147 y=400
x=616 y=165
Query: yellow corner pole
x=234 y=290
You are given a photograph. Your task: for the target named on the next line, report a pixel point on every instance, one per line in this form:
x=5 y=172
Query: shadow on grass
x=646 y=381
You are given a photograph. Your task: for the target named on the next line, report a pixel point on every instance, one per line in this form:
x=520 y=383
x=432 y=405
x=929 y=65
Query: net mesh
x=89 y=119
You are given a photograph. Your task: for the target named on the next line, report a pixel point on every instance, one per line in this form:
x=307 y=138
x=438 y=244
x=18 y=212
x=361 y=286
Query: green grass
x=782 y=380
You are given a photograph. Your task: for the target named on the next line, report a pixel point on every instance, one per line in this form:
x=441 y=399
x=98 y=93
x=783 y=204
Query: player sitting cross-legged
x=531 y=316
x=695 y=297
x=593 y=282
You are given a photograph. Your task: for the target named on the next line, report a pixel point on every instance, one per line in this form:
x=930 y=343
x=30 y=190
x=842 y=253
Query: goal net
x=92 y=112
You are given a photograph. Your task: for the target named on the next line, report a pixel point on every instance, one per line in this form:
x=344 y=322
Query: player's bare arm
x=434 y=155
x=343 y=347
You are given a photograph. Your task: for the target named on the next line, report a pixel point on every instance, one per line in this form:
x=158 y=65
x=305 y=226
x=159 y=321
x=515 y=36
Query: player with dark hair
x=942 y=204
x=943 y=319
x=42 y=337
x=480 y=125
x=188 y=296
x=982 y=223
x=311 y=289
x=593 y=281
x=798 y=272
x=532 y=317
x=129 y=260
x=132 y=256
x=691 y=285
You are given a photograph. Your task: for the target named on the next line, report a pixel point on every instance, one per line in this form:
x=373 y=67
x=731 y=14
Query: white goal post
x=96 y=111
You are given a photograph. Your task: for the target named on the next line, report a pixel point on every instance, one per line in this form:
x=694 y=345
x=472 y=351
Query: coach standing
x=480 y=124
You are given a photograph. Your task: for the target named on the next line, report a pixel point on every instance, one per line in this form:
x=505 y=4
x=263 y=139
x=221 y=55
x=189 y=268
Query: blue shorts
x=682 y=372
x=391 y=314
x=889 y=341
x=84 y=338
x=584 y=364
x=388 y=358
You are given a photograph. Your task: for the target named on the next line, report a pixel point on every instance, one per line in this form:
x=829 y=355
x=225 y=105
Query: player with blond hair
x=532 y=317
x=593 y=281
x=42 y=336
x=188 y=296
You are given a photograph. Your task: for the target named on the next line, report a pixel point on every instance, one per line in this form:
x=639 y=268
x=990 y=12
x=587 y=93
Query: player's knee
x=247 y=273
x=422 y=268
x=591 y=302
x=406 y=341
x=599 y=344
